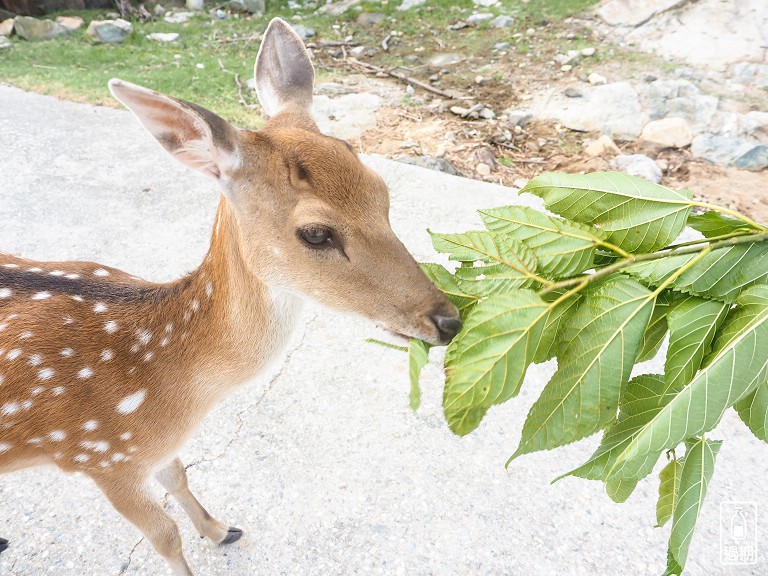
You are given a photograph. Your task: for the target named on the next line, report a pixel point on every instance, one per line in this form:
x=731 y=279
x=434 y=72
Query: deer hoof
x=233 y=535
x=3 y=544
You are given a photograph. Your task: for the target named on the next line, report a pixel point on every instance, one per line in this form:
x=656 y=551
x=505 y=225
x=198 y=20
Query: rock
x=195 y=5
x=487 y=114
x=601 y=146
x=668 y=133
x=501 y=46
x=4 y=43
x=178 y=17
x=70 y=22
x=337 y=8
x=485 y=3
x=158 y=10
x=6 y=27
x=251 y=6
x=109 y=31
x=369 y=18
x=476 y=19
x=357 y=51
x=483 y=169
x=588 y=51
x=304 y=32
x=33 y=29
x=442 y=60
x=596 y=79
x=572 y=92
x=408 y=4
x=163 y=36
x=460 y=25
x=439 y=164
x=634 y=12
x=751 y=73
x=346 y=116
x=679 y=98
x=637 y=165
x=727 y=151
x=521 y=117
x=566 y=68
x=502 y=22
x=566 y=58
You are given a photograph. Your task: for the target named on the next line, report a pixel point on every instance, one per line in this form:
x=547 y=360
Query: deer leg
x=134 y=502
x=174 y=479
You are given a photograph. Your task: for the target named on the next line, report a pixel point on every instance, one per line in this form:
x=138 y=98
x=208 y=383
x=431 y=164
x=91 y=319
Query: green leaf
x=697 y=471
x=721 y=274
x=446 y=283
x=619 y=490
x=562 y=248
x=668 y=491
x=551 y=335
x=643 y=398
x=737 y=365
x=418 y=356
x=497 y=263
x=486 y=363
x=673 y=568
x=636 y=215
x=657 y=328
x=712 y=224
x=692 y=324
x=753 y=410
x=602 y=340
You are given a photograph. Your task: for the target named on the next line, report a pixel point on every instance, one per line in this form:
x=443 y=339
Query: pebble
x=588 y=51
x=4 y=43
x=668 y=133
x=502 y=22
x=70 y=22
x=476 y=19
x=483 y=169
x=178 y=17
x=304 y=32
x=357 y=51
x=572 y=92
x=637 y=165
x=163 y=36
x=601 y=146
x=430 y=162
x=501 y=46
x=566 y=68
x=596 y=79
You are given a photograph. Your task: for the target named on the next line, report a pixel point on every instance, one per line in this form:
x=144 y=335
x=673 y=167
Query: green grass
x=74 y=68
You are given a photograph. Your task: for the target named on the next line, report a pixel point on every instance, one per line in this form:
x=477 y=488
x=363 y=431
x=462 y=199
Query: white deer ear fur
x=193 y=135
x=283 y=73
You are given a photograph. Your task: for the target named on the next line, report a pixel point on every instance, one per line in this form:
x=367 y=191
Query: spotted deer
x=108 y=375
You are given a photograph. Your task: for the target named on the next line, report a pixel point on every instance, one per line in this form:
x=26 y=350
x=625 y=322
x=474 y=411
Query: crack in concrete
x=267 y=389
x=125 y=566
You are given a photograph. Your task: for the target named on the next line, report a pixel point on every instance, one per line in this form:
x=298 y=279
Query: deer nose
x=448 y=325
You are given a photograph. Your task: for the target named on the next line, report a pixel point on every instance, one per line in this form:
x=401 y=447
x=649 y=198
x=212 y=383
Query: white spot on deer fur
x=57 y=272
x=148 y=356
x=35 y=360
x=169 y=328
x=131 y=370
x=131 y=403
x=82 y=458
x=4 y=447
x=35 y=441
x=187 y=316
x=26 y=405
x=107 y=355
x=100 y=307
x=100 y=272
x=13 y=354
x=41 y=296
x=1 y=377
x=68 y=320
x=77 y=298
x=57 y=435
x=209 y=289
x=35 y=269
x=3 y=326
x=144 y=336
x=104 y=464
x=125 y=436
x=118 y=457
x=91 y=425
x=58 y=391
x=134 y=348
x=85 y=373
x=25 y=335
x=73 y=276
x=46 y=374
x=110 y=327
x=5 y=292
x=195 y=305
x=10 y=408
x=38 y=390
x=99 y=446
x=10 y=265
x=67 y=352
x=164 y=341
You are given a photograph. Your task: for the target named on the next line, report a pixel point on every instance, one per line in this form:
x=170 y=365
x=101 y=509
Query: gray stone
x=441 y=60
x=250 y=6
x=338 y=8
x=501 y=46
x=346 y=116
x=727 y=151
x=596 y=79
x=519 y=117
x=408 y=4
x=572 y=92
x=357 y=51
x=485 y=3
x=752 y=73
x=163 y=36
x=637 y=165
x=431 y=162
x=109 y=31
x=601 y=146
x=178 y=17
x=369 y=18
x=502 y=22
x=612 y=109
x=475 y=19
x=70 y=22
x=4 y=43
x=195 y=5
x=34 y=30
x=679 y=98
x=588 y=51
x=634 y=12
x=304 y=32
x=668 y=133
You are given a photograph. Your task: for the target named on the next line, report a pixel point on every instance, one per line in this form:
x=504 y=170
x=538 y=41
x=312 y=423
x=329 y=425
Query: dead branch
x=401 y=77
x=239 y=84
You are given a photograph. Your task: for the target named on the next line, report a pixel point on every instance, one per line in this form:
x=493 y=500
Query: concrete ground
x=321 y=462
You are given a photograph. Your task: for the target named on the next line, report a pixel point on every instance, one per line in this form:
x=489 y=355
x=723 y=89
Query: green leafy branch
x=598 y=287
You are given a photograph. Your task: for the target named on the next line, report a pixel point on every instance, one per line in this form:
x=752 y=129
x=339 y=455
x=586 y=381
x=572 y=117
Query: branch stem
x=730 y=212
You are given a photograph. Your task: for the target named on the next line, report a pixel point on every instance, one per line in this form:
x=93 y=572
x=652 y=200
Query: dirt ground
x=422 y=123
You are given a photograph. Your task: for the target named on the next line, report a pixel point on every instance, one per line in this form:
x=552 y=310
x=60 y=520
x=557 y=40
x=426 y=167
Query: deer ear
x=283 y=73
x=193 y=135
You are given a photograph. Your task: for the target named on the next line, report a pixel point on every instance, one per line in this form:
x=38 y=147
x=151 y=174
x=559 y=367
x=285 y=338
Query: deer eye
x=316 y=236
